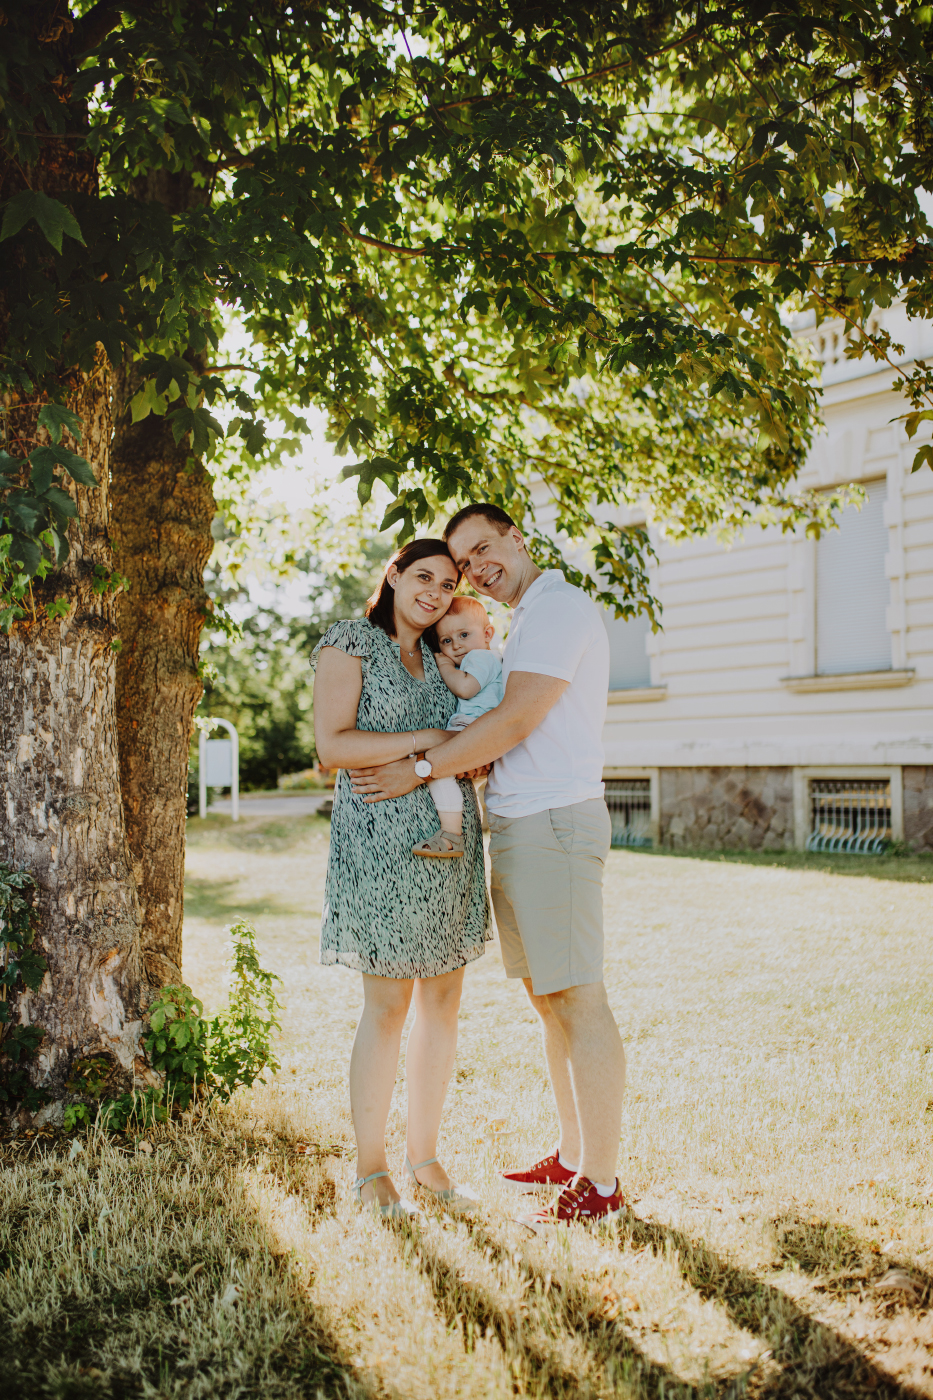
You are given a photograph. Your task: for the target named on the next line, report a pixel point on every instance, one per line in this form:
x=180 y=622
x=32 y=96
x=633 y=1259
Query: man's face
x=491 y=563
x=461 y=632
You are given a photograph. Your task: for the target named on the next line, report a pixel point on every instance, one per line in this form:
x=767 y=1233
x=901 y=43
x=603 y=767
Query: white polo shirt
x=556 y=631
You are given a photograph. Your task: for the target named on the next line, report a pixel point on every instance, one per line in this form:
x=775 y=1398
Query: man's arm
x=528 y=698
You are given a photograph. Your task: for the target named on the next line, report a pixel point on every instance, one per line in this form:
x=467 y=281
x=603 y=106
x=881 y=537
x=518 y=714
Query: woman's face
x=423 y=592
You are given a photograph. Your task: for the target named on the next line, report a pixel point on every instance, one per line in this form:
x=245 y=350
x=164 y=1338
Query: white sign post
x=219 y=766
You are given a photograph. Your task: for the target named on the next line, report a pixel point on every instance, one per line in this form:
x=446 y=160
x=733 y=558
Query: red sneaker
x=546 y=1173
x=579 y=1202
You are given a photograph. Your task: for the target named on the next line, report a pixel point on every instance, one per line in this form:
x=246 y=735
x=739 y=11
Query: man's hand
x=395 y=779
x=391 y=780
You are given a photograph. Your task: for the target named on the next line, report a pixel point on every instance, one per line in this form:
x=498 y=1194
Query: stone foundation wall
x=918 y=807
x=728 y=808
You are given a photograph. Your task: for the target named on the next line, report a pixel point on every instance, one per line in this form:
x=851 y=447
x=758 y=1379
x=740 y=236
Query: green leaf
x=43 y=465
x=26 y=552
x=55 y=417
x=78 y=468
x=32 y=969
x=10 y=467
x=924 y=455
x=60 y=500
x=54 y=218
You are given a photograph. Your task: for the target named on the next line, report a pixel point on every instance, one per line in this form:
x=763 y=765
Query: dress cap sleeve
x=353 y=636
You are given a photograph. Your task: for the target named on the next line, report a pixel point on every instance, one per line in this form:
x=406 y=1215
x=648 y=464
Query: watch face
x=423 y=768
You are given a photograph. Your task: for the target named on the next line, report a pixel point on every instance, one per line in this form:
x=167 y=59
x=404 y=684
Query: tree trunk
x=163 y=505
x=62 y=813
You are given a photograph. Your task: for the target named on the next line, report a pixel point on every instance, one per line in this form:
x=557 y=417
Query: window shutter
x=629 y=667
x=852 y=591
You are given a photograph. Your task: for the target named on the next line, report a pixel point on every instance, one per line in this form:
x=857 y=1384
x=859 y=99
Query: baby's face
x=463 y=632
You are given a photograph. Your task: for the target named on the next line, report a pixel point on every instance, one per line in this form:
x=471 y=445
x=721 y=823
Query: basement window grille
x=629 y=803
x=850 y=815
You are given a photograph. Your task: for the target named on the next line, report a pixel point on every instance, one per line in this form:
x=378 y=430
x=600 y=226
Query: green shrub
x=196 y=1055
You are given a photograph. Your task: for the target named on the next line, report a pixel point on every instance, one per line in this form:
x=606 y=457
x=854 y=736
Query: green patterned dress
x=387 y=912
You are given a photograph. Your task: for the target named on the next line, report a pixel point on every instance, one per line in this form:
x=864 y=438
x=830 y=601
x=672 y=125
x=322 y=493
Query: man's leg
x=558 y=1065
x=594 y=1056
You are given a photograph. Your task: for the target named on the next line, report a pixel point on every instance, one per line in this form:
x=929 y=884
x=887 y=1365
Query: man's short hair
x=494 y=514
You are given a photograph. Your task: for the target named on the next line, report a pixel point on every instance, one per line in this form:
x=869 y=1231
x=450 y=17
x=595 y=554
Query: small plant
x=241 y=1038
x=20 y=967
x=193 y=1052
x=225 y=1052
x=178 y=1042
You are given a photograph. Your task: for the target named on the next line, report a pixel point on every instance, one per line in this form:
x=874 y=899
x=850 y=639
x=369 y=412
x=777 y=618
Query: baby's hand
x=444 y=663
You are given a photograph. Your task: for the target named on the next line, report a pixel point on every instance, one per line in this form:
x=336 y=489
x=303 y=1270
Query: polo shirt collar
x=542 y=583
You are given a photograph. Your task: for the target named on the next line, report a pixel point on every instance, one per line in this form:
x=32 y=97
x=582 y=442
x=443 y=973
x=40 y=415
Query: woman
x=410 y=926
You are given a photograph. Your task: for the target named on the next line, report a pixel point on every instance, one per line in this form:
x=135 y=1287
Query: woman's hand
x=391 y=780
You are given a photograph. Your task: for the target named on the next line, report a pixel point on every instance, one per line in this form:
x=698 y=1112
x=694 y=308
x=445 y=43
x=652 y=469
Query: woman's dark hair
x=380 y=608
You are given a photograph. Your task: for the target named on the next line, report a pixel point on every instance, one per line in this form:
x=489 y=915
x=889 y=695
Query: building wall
x=739 y=626
x=733 y=702
x=727 y=808
x=918 y=807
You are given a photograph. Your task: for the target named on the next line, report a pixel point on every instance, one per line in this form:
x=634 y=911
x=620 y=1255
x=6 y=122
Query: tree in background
x=488 y=240
x=261 y=681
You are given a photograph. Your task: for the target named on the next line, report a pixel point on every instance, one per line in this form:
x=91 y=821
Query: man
x=549 y=840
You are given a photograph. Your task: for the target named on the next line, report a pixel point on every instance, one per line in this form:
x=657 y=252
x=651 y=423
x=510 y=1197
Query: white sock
x=446 y=793
x=567 y=1166
x=605 y=1190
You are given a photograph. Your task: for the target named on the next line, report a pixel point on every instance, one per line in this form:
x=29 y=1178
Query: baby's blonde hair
x=461 y=603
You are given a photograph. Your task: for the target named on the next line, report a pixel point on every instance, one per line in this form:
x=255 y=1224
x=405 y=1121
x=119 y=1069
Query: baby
x=474 y=674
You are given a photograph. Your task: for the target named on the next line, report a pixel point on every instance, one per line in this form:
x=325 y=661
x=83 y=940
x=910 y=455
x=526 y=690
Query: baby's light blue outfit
x=486 y=667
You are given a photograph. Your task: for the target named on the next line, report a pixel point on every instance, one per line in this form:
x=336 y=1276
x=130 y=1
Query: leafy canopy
x=514 y=249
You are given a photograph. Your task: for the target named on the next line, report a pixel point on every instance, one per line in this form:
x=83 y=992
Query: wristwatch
x=423 y=768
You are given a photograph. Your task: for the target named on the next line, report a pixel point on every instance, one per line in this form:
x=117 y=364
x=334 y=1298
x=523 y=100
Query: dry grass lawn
x=777 y=1147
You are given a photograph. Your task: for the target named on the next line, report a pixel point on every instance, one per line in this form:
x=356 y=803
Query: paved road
x=301 y=805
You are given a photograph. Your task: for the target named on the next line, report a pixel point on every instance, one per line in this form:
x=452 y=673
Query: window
x=629 y=667
x=852 y=591
x=851 y=815
x=629 y=803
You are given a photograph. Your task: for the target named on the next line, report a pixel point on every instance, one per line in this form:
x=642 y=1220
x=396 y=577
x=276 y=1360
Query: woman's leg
x=373 y=1066
x=432 y=1046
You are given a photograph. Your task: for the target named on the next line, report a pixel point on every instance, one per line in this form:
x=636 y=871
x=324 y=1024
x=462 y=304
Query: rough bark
x=62 y=814
x=163 y=506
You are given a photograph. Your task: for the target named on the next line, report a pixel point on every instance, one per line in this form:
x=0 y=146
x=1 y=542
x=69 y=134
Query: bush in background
x=262 y=681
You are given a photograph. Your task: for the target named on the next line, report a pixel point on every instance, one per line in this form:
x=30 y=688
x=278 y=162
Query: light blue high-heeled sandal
x=395 y=1210
x=456 y=1198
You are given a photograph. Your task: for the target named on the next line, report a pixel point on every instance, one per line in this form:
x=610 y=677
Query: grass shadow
x=109 y=1327
x=814 y=1359
x=625 y=1367
x=216 y=901
x=913 y=869
x=252 y=834
x=842 y=1260
x=277 y=835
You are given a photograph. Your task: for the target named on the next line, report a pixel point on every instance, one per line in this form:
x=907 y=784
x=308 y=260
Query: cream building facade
x=788 y=701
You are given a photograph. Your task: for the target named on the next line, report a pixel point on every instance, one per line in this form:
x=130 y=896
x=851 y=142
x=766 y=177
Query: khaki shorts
x=547 y=891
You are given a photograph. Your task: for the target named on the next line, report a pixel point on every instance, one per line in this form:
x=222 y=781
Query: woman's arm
x=461 y=684
x=338 y=685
